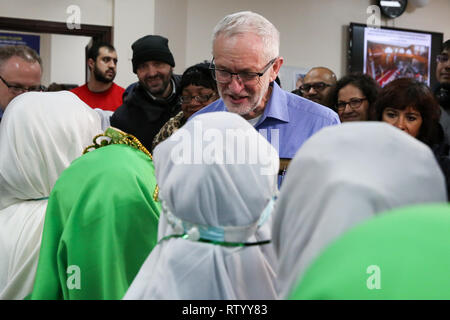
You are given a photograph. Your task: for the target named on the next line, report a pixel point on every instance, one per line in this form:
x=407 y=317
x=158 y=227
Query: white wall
x=170 y=22
x=132 y=20
x=67 y=65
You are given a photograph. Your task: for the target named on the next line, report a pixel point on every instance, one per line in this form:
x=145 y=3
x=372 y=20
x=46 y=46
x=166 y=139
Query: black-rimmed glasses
x=19 y=89
x=200 y=99
x=441 y=58
x=249 y=78
x=354 y=103
x=318 y=86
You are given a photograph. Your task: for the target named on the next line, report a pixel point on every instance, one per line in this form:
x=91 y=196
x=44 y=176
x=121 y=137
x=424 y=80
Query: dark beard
x=159 y=93
x=100 y=77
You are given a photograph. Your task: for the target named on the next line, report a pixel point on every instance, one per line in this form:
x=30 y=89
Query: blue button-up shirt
x=1 y=114
x=288 y=120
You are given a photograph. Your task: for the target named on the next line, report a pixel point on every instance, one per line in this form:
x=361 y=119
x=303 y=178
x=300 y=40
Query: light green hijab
x=403 y=255
x=101 y=223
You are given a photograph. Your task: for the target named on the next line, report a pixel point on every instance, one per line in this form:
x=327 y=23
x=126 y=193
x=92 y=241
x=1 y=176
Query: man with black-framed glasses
x=20 y=71
x=318 y=86
x=245 y=64
x=442 y=89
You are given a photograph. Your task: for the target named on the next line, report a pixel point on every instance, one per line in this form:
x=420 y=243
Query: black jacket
x=143 y=116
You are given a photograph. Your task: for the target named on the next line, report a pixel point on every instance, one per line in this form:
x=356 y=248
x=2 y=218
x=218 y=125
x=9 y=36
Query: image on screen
x=392 y=54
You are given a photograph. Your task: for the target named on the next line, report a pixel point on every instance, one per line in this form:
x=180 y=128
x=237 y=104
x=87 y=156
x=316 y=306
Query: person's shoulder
x=177 y=79
x=302 y=105
x=118 y=88
x=78 y=89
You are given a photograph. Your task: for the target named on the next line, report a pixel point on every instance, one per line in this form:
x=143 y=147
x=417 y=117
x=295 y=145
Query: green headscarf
x=403 y=255
x=101 y=223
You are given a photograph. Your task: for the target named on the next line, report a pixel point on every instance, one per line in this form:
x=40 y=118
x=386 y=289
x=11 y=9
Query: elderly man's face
x=244 y=53
x=317 y=86
x=155 y=77
x=20 y=74
x=443 y=69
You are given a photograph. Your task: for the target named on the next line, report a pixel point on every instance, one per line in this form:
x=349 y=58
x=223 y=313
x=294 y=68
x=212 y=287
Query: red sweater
x=110 y=99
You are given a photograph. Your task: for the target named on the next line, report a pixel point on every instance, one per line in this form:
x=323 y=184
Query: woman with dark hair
x=410 y=106
x=197 y=90
x=353 y=96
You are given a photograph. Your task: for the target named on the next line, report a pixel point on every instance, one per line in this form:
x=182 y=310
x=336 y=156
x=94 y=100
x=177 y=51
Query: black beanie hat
x=151 y=48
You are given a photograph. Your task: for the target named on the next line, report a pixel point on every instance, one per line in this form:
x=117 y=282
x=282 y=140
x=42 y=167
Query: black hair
x=406 y=92
x=198 y=75
x=93 y=51
x=368 y=86
x=446 y=45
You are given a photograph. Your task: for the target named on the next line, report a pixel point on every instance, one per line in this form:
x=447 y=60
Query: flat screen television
x=389 y=53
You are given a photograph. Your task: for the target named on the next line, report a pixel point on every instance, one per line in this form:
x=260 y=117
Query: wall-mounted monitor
x=389 y=53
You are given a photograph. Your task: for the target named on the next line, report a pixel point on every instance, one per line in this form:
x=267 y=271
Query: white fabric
x=105 y=115
x=40 y=135
x=341 y=176
x=218 y=195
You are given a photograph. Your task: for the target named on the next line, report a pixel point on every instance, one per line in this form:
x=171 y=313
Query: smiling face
x=408 y=120
x=313 y=80
x=196 y=93
x=155 y=77
x=347 y=94
x=244 y=53
x=443 y=69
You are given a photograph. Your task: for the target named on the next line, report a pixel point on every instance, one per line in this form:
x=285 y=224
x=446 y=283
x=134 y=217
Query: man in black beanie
x=154 y=99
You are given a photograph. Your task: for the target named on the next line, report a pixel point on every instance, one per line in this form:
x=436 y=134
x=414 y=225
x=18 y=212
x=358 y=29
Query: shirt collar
x=276 y=107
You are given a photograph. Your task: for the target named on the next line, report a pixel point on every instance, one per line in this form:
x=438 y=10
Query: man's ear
x=276 y=68
x=91 y=63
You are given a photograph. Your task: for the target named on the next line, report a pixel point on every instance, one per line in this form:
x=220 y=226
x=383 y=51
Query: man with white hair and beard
x=245 y=64
x=155 y=98
x=100 y=91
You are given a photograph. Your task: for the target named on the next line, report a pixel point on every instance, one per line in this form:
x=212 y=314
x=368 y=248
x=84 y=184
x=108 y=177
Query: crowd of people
x=219 y=184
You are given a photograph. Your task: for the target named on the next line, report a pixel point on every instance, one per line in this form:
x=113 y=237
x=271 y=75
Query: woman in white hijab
x=217 y=178
x=40 y=135
x=340 y=177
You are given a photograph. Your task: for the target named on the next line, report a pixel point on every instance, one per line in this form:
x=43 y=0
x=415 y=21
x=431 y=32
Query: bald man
x=318 y=85
x=20 y=71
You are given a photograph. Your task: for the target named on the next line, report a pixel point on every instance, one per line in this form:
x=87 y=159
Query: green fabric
x=409 y=246
x=102 y=219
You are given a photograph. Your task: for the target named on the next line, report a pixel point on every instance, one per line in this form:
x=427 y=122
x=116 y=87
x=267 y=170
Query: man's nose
x=311 y=91
x=236 y=85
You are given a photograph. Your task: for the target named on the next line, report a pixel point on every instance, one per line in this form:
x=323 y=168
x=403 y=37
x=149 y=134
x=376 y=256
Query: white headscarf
x=40 y=135
x=218 y=196
x=341 y=176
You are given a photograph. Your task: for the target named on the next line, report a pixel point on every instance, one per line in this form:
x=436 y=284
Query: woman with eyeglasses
x=197 y=90
x=353 y=96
